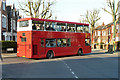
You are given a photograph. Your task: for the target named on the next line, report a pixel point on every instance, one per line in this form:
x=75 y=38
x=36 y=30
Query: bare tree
x=92 y=17
x=37 y=8
x=115 y=16
x=111 y=4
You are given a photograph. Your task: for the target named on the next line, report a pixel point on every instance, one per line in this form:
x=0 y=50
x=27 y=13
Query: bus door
x=42 y=47
x=35 y=48
x=38 y=48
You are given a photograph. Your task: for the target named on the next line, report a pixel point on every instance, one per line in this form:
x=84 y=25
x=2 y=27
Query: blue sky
x=70 y=10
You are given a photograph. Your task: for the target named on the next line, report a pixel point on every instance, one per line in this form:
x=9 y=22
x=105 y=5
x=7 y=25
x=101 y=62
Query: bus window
x=34 y=27
x=23 y=39
x=61 y=27
x=50 y=42
x=70 y=27
x=86 y=28
x=80 y=29
x=24 y=24
x=87 y=42
x=50 y=26
x=37 y=25
x=42 y=43
x=61 y=42
x=68 y=42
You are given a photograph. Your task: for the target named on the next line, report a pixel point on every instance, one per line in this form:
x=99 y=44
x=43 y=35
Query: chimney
x=103 y=24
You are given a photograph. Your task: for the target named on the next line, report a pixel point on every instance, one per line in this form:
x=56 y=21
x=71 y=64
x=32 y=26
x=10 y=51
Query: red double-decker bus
x=43 y=38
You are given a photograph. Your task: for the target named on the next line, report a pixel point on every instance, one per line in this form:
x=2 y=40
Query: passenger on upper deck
x=38 y=27
x=62 y=29
x=34 y=27
x=41 y=27
x=50 y=28
x=69 y=29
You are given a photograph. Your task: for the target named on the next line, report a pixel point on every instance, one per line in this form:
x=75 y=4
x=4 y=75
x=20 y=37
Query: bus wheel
x=50 y=55
x=80 y=52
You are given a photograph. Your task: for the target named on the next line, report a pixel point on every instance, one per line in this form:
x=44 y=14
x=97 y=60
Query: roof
x=100 y=27
x=106 y=26
x=48 y=20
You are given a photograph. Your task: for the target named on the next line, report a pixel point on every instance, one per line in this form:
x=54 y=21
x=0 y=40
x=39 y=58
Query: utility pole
x=114 y=32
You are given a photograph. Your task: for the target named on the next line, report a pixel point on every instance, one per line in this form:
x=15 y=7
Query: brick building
x=8 y=21
x=103 y=35
x=12 y=16
x=3 y=19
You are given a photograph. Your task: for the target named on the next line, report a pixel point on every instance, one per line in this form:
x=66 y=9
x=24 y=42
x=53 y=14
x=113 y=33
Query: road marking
x=73 y=73
x=76 y=77
x=69 y=68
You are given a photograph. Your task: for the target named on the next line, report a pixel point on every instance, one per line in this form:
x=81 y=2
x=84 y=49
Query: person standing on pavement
x=1 y=57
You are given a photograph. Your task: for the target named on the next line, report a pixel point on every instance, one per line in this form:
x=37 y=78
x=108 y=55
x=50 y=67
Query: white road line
x=76 y=77
x=73 y=73
x=69 y=68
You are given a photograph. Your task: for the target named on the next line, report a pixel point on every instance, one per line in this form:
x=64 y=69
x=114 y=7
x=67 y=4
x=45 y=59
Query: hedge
x=8 y=44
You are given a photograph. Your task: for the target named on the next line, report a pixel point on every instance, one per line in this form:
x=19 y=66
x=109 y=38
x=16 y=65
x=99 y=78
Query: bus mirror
x=20 y=36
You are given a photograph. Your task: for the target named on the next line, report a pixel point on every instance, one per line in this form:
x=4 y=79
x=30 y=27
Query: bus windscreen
x=24 y=24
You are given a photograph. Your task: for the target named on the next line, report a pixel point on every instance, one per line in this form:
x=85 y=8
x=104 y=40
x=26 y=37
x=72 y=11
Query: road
x=94 y=65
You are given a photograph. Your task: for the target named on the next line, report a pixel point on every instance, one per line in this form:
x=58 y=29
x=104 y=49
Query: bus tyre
x=80 y=52
x=50 y=55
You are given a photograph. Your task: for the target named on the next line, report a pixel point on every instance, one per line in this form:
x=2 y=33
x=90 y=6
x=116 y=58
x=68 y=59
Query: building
x=3 y=19
x=12 y=16
x=8 y=21
x=103 y=35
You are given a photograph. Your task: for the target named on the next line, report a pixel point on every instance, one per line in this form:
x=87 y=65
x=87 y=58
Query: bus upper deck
x=36 y=24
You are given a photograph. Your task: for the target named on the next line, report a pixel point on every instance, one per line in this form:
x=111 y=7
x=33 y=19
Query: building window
x=117 y=29
x=3 y=5
x=103 y=33
x=14 y=25
x=98 y=33
x=3 y=21
x=13 y=12
x=11 y=24
x=112 y=29
x=95 y=33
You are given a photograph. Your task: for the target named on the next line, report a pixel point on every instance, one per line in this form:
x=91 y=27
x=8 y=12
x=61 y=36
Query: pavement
x=94 y=51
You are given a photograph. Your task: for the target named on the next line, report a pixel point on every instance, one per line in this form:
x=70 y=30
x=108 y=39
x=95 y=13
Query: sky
x=74 y=10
